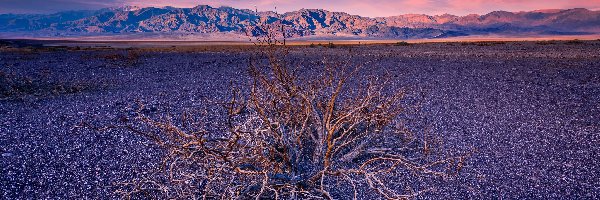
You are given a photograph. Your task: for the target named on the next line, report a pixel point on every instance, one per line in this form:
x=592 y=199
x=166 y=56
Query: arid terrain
x=529 y=111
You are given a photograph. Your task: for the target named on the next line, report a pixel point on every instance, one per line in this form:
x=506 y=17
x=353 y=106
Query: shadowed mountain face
x=305 y=22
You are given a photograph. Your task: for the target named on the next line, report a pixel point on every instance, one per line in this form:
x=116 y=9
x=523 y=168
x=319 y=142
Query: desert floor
x=530 y=110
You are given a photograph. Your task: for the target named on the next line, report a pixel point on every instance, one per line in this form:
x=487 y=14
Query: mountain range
x=205 y=19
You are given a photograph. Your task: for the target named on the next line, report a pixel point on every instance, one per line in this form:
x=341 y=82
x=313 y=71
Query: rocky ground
x=531 y=111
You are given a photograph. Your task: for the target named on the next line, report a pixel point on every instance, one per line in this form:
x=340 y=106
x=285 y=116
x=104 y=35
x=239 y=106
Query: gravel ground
x=531 y=111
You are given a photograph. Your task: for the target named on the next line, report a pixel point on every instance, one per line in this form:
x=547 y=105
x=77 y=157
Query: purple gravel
x=532 y=112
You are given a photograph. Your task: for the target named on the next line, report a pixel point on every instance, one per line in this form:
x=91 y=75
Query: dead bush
x=546 y=42
x=14 y=86
x=128 y=58
x=402 y=43
x=574 y=42
x=483 y=43
x=289 y=136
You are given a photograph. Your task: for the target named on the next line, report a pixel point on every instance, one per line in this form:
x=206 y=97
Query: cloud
x=372 y=8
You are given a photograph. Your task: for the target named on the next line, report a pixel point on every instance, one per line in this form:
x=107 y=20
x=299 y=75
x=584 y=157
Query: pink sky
x=369 y=8
x=381 y=8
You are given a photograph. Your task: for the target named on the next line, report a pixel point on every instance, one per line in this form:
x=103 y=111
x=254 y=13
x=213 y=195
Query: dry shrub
x=128 y=58
x=330 y=134
x=483 y=43
x=14 y=86
x=574 y=42
x=402 y=43
x=546 y=42
x=330 y=45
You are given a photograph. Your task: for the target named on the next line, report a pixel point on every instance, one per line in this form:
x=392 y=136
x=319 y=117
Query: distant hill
x=301 y=23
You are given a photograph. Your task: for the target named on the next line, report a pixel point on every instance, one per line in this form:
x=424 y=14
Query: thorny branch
x=290 y=137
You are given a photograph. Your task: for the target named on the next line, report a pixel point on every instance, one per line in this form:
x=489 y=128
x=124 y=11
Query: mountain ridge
x=301 y=23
